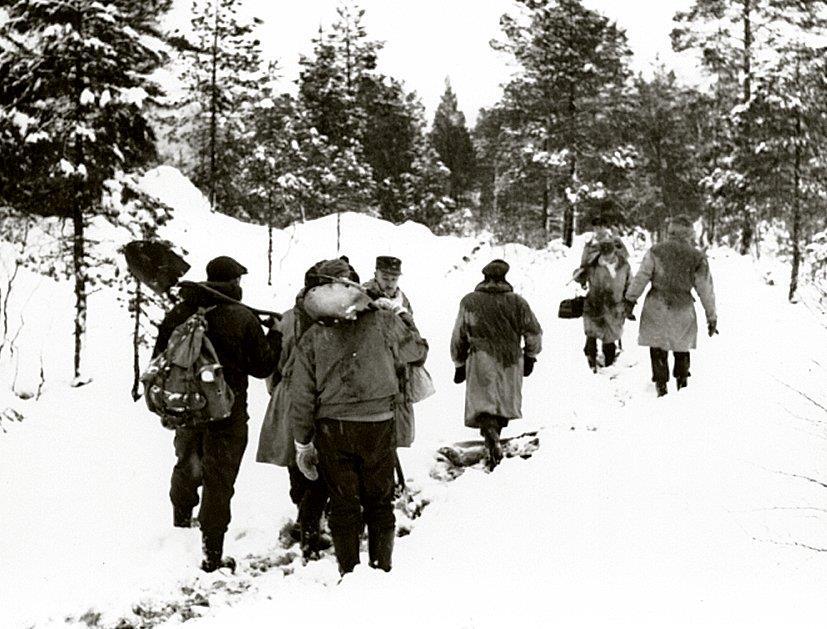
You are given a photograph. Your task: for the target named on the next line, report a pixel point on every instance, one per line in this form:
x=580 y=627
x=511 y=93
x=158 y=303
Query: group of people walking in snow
x=668 y=321
x=343 y=366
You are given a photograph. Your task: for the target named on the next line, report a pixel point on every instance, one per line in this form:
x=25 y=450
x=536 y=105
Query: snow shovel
x=154 y=263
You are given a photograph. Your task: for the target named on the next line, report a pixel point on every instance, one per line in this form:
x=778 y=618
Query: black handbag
x=571 y=308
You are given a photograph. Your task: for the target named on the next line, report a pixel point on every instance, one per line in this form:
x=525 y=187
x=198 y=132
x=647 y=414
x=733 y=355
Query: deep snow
x=704 y=508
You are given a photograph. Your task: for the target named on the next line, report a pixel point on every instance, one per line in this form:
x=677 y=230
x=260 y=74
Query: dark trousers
x=660 y=364
x=310 y=496
x=357 y=460
x=609 y=350
x=208 y=456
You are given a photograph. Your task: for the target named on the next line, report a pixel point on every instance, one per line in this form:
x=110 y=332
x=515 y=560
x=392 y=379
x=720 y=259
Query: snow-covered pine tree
x=367 y=117
x=668 y=124
x=138 y=217
x=73 y=84
x=451 y=139
x=790 y=105
x=222 y=71
x=732 y=38
x=572 y=67
x=269 y=164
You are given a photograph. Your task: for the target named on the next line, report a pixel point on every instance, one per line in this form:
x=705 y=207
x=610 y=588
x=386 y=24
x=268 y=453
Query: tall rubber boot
x=380 y=548
x=346 y=545
x=492 y=445
x=212 y=544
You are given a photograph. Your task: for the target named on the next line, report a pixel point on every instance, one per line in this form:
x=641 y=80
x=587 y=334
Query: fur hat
x=496 y=269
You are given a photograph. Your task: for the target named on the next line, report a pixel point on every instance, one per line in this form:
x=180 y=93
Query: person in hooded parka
x=668 y=322
x=494 y=345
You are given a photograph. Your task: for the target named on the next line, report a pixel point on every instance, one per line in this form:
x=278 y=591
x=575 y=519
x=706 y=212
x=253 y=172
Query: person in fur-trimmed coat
x=486 y=350
x=607 y=274
x=668 y=322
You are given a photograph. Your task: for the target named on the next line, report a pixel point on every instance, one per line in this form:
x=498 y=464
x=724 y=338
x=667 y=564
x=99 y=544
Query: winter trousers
x=208 y=456
x=357 y=462
x=310 y=496
x=660 y=365
x=609 y=351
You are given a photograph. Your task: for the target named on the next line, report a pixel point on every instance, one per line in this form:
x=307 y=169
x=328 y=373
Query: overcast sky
x=427 y=40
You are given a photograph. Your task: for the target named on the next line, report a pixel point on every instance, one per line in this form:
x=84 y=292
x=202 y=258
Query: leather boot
x=492 y=445
x=212 y=544
x=380 y=548
x=346 y=545
x=682 y=382
x=660 y=387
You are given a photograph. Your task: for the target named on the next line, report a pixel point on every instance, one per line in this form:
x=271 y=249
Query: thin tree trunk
x=746 y=227
x=270 y=254
x=136 y=340
x=796 y=262
x=78 y=255
x=213 y=109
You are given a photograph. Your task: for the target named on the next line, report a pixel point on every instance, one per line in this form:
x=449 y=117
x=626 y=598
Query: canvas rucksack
x=185 y=384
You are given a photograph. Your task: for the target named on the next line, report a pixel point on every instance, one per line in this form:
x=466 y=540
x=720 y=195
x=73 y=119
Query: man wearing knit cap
x=668 y=322
x=209 y=456
x=494 y=345
x=343 y=393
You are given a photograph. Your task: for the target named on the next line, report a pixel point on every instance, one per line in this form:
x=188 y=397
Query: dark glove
x=628 y=307
x=459 y=374
x=712 y=327
x=528 y=365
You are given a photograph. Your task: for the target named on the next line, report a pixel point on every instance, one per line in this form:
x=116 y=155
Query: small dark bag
x=571 y=308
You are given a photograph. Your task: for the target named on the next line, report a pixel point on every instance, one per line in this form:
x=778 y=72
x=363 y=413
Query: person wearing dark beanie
x=494 y=345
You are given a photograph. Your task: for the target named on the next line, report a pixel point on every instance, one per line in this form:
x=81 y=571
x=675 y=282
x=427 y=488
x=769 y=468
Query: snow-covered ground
x=704 y=508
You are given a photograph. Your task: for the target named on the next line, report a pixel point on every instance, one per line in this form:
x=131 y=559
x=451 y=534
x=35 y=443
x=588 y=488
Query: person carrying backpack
x=209 y=455
x=343 y=393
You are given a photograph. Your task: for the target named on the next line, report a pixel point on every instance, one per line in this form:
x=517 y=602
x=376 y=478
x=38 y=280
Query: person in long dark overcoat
x=668 y=322
x=495 y=343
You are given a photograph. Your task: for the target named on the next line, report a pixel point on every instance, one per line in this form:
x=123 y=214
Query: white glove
x=386 y=304
x=306 y=459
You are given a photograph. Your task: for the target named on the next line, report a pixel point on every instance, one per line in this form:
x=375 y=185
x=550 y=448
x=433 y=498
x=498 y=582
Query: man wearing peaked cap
x=209 y=455
x=224 y=269
x=385 y=282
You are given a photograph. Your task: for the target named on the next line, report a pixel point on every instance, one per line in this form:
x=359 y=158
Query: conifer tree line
x=577 y=138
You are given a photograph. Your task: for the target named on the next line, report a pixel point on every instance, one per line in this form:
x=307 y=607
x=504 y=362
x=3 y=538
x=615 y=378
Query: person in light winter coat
x=668 y=322
x=606 y=271
x=343 y=392
x=384 y=286
x=486 y=349
x=275 y=444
